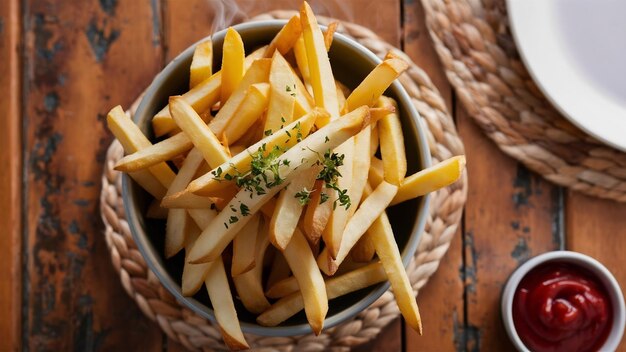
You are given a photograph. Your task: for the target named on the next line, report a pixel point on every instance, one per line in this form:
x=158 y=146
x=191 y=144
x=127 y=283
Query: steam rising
x=226 y=13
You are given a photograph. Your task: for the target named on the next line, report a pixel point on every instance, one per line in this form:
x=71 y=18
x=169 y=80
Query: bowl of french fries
x=276 y=178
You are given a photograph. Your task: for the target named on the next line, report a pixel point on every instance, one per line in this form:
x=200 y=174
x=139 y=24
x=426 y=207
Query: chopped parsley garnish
x=290 y=90
x=233 y=219
x=263 y=163
x=329 y=174
x=217 y=173
x=268 y=132
x=245 y=211
x=299 y=133
x=326 y=139
x=323 y=198
x=304 y=196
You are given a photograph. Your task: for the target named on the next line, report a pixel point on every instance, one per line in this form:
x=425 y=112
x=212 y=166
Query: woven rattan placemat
x=475 y=45
x=194 y=332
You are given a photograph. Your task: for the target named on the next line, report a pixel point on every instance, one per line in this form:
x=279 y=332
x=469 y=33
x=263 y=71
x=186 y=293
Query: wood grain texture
x=511 y=215
x=597 y=227
x=10 y=178
x=81 y=59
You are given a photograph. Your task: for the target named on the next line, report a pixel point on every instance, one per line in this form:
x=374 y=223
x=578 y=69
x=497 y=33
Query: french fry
x=321 y=75
x=341 y=97
x=187 y=200
x=304 y=100
x=244 y=247
x=335 y=287
x=317 y=213
x=376 y=82
x=289 y=284
x=177 y=225
x=289 y=207
x=361 y=166
x=374 y=143
x=221 y=231
x=339 y=216
x=283 y=288
x=148 y=182
x=299 y=52
x=363 y=251
x=133 y=140
x=286 y=37
x=207 y=184
x=201 y=63
x=376 y=173
x=329 y=34
x=223 y=306
x=155 y=154
x=392 y=147
x=193 y=274
x=198 y=132
x=389 y=255
x=370 y=209
x=232 y=63
x=428 y=180
x=249 y=286
x=155 y=211
x=202 y=217
x=175 y=229
x=190 y=201
x=247 y=114
x=282 y=101
x=257 y=73
x=312 y=288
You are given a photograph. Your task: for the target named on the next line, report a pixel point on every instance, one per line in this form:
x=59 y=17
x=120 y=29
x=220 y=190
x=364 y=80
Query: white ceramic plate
x=575 y=51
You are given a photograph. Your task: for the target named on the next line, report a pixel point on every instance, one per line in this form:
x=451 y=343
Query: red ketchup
x=561 y=307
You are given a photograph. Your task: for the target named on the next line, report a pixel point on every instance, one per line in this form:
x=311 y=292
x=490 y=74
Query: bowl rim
x=603 y=274
x=148 y=252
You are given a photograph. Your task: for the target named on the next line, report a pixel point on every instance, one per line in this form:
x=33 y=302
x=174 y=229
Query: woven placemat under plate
x=475 y=45
x=194 y=332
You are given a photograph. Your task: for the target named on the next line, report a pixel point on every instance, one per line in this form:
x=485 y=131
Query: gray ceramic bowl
x=351 y=62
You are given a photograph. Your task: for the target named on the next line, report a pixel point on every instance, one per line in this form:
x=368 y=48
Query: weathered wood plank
x=511 y=215
x=597 y=227
x=10 y=178
x=441 y=300
x=81 y=58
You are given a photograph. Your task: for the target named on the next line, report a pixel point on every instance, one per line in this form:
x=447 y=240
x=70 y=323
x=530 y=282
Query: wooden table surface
x=64 y=64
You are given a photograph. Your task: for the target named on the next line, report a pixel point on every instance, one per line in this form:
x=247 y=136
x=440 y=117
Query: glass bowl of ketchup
x=563 y=301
